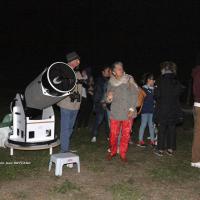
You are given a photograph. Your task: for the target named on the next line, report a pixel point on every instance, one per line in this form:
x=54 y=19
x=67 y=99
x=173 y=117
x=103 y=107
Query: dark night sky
x=140 y=33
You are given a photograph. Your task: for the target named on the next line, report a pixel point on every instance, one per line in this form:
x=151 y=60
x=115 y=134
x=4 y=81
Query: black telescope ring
x=72 y=80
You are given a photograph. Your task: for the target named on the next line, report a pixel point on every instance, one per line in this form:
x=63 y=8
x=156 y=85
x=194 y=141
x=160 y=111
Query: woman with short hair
x=122 y=92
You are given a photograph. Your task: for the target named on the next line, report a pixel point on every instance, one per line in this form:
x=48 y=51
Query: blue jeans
x=108 y=116
x=101 y=116
x=146 y=118
x=68 y=118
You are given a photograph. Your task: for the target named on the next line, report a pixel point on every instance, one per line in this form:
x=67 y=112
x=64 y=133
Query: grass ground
x=145 y=177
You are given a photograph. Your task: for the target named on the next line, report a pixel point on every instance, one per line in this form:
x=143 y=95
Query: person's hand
x=110 y=96
x=130 y=114
x=91 y=93
x=104 y=105
x=84 y=75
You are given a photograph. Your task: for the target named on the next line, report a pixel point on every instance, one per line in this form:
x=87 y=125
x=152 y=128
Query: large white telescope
x=33 y=115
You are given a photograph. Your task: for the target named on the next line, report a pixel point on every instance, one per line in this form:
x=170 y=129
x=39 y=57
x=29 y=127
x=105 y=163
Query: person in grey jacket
x=70 y=106
x=122 y=93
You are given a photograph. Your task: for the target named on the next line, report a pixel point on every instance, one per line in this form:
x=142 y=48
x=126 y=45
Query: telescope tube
x=51 y=86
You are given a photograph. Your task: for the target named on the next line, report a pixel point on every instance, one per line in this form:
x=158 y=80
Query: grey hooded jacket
x=125 y=95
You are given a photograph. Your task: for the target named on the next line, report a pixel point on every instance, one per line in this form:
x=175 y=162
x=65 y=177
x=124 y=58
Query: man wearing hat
x=70 y=106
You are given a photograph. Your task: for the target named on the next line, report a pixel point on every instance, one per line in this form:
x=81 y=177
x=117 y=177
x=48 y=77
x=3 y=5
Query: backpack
x=141 y=96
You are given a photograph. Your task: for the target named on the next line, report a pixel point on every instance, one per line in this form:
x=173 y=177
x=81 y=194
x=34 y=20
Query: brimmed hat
x=72 y=56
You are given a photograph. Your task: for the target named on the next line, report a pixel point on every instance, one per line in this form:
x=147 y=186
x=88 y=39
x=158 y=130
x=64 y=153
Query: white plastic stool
x=61 y=159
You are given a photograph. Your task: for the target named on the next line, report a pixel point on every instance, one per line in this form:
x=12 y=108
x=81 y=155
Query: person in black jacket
x=100 y=106
x=168 y=111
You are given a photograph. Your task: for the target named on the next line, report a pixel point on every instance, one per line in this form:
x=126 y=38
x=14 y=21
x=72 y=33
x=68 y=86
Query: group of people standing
x=113 y=97
x=118 y=102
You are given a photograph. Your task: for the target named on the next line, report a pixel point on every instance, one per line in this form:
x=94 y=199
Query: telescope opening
x=59 y=79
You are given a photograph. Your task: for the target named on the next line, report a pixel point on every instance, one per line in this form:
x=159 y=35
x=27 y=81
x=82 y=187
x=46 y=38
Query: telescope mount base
x=33 y=147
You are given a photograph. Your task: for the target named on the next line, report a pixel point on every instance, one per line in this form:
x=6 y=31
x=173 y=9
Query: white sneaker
x=94 y=139
x=73 y=151
x=197 y=164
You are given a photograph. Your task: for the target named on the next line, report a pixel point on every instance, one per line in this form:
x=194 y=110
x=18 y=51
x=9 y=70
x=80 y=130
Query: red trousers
x=115 y=127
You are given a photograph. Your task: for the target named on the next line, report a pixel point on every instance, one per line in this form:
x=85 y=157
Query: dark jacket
x=148 y=105
x=196 y=83
x=167 y=94
x=100 y=90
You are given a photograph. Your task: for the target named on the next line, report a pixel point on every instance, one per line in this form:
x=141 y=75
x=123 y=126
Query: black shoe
x=141 y=145
x=169 y=153
x=158 y=153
